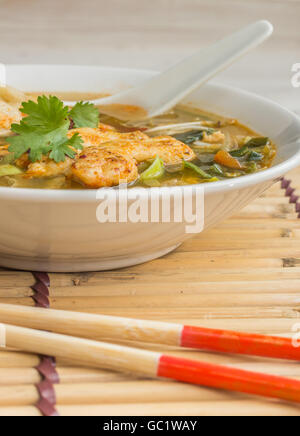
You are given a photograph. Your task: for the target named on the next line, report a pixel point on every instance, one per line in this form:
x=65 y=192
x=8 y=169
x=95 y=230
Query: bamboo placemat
x=242 y=275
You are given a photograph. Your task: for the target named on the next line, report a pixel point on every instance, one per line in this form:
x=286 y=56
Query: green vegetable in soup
x=216 y=169
x=257 y=142
x=193 y=135
x=9 y=170
x=254 y=156
x=197 y=169
x=240 y=152
x=155 y=171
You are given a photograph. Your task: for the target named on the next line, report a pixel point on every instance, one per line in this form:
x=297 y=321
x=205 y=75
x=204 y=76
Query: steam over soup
x=44 y=144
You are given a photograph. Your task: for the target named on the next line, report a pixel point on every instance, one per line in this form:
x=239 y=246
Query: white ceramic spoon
x=163 y=91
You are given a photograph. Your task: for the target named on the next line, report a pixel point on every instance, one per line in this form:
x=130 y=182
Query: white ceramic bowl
x=58 y=231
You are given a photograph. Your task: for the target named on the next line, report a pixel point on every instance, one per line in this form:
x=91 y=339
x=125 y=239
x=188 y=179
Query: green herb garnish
x=44 y=130
x=84 y=115
x=257 y=142
x=198 y=170
x=193 y=135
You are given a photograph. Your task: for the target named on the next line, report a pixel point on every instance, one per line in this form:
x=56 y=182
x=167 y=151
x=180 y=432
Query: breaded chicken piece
x=8 y=115
x=98 y=167
x=48 y=168
x=89 y=136
x=23 y=161
x=169 y=149
x=116 y=161
x=136 y=146
x=93 y=137
x=105 y=127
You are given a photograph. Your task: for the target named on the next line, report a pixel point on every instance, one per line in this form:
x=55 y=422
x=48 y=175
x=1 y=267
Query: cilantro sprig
x=43 y=131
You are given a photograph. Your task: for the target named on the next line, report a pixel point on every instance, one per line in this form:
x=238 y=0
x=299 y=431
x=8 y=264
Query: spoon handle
x=161 y=93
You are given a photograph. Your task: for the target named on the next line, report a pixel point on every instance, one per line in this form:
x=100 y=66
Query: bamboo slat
x=203 y=408
x=67 y=375
x=242 y=275
x=126 y=392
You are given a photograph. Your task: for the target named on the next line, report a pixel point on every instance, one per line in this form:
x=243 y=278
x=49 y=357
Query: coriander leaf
x=64 y=148
x=18 y=146
x=46 y=115
x=34 y=141
x=84 y=115
x=44 y=131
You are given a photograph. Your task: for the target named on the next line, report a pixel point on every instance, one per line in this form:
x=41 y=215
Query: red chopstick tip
x=227 y=378
x=223 y=341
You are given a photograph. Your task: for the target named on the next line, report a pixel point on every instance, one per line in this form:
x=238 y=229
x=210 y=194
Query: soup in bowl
x=56 y=164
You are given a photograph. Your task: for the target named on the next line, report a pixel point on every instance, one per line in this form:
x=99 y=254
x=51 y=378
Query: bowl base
x=62 y=266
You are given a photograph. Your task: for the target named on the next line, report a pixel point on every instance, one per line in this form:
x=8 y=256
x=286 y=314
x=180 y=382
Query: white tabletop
x=153 y=34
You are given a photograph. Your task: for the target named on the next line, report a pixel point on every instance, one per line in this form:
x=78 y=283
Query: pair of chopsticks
x=24 y=330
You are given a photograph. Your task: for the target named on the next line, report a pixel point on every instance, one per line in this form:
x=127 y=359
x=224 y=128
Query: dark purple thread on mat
x=41 y=289
x=290 y=192
x=47 y=366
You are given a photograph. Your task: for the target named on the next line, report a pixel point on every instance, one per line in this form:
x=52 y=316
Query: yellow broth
x=236 y=135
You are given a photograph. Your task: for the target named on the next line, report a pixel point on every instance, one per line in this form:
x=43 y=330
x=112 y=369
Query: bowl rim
x=89 y=195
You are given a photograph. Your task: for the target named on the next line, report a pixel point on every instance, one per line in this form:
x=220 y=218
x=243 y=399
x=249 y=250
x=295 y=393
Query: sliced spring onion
x=178 y=127
x=216 y=169
x=240 y=152
x=9 y=170
x=189 y=137
x=254 y=156
x=257 y=142
x=198 y=170
x=155 y=171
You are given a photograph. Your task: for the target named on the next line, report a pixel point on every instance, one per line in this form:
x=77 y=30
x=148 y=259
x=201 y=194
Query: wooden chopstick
x=109 y=327
x=150 y=364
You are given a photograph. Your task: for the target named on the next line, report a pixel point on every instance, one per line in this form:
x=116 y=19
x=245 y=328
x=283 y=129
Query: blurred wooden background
x=153 y=34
